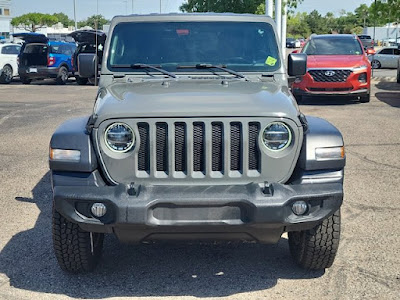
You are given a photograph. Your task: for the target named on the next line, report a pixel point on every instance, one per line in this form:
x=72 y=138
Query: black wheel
x=315 y=249
x=398 y=74
x=366 y=98
x=62 y=77
x=25 y=80
x=375 y=64
x=81 y=80
x=6 y=75
x=77 y=251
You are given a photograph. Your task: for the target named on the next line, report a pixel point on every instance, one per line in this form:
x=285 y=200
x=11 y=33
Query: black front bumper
x=245 y=212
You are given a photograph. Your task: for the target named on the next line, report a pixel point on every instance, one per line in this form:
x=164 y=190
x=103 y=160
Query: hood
x=195 y=98
x=88 y=36
x=31 y=37
x=337 y=61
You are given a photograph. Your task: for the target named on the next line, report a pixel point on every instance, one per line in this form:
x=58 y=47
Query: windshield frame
x=108 y=66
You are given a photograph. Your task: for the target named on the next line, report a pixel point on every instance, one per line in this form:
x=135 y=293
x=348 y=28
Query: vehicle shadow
x=336 y=101
x=392 y=96
x=200 y=270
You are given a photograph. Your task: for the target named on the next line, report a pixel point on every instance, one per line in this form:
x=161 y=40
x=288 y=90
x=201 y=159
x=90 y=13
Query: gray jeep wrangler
x=195 y=135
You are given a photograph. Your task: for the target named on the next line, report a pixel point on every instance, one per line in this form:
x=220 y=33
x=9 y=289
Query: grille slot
x=198 y=147
x=217 y=146
x=337 y=76
x=144 y=150
x=180 y=147
x=254 y=150
x=236 y=146
x=162 y=146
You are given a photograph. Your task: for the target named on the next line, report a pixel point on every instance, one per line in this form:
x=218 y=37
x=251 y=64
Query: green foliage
x=297 y=26
x=93 y=20
x=219 y=6
x=385 y=12
x=64 y=19
x=33 y=21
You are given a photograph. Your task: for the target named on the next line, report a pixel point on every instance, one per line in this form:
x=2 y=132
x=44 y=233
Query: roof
x=333 y=36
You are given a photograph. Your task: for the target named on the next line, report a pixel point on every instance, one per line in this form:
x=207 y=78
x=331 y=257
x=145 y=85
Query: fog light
x=362 y=77
x=299 y=208
x=98 y=210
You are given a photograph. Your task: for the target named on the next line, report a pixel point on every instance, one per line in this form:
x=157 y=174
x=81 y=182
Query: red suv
x=337 y=66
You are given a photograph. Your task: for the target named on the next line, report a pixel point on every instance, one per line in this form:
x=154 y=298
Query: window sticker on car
x=271 y=61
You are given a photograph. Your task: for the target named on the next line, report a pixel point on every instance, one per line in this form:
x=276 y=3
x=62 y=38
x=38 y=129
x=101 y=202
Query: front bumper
x=245 y=212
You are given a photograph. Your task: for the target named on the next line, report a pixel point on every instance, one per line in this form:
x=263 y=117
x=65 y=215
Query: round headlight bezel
x=106 y=141
x=290 y=136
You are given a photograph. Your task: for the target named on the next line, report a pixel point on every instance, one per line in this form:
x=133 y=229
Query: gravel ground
x=367 y=265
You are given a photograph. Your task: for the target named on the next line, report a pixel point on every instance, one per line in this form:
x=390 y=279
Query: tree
x=297 y=26
x=234 y=6
x=64 y=19
x=292 y=4
x=33 y=21
x=91 y=22
x=317 y=23
x=362 y=13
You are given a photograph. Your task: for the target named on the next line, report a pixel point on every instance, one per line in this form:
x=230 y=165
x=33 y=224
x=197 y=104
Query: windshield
x=333 y=46
x=243 y=47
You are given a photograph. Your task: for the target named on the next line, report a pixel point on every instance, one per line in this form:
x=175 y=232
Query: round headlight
x=277 y=136
x=119 y=137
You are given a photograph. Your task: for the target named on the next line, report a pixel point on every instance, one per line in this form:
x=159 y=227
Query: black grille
x=162 y=146
x=217 y=148
x=198 y=147
x=180 y=147
x=254 y=150
x=236 y=146
x=330 y=75
x=144 y=150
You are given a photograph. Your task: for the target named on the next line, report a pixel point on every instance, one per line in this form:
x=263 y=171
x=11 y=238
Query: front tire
x=375 y=64
x=315 y=249
x=25 y=80
x=62 y=77
x=6 y=75
x=366 y=98
x=77 y=251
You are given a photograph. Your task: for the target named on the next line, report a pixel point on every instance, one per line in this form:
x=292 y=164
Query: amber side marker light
x=65 y=155
x=329 y=153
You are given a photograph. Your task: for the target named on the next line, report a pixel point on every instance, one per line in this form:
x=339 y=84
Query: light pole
x=269 y=7
x=76 y=23
x=278 y=17
x=160 y=6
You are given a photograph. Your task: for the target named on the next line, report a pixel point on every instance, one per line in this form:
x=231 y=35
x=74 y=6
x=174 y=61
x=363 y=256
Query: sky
x=110 y=8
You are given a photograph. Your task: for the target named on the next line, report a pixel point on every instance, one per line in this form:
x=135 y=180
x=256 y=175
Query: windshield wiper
x=145 y=66
x=210 y=66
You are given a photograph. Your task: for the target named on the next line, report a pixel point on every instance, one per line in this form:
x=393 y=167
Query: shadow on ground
x=205 y=270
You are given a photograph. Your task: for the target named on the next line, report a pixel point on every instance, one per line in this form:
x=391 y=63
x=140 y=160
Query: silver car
x=385 y=58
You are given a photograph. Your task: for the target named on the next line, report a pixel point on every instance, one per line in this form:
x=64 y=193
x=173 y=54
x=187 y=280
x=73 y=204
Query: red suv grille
x=330 y=75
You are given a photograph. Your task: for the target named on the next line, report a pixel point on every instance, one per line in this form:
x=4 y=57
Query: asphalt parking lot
x=367 y=265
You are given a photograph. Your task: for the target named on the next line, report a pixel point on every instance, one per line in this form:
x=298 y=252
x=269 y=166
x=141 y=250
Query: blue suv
x=40 y=58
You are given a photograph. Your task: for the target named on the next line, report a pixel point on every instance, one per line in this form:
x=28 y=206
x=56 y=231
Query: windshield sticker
x=271 y=61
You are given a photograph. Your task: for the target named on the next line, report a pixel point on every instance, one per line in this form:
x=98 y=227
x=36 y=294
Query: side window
x=387 y=51
x=396 y=51
x=10 y=50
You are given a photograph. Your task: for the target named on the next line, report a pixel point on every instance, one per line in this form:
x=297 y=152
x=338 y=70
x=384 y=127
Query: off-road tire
x=25 y=80
x=365 y=99
x=77 y=251
x=6 y=75
x=62 y=77
x=315 y=249
x=81 y=80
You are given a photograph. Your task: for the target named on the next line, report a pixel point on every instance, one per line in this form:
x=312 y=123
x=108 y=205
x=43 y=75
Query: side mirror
x=295 y=51
x=87 y=65
x=297 y=64
x=371 y=51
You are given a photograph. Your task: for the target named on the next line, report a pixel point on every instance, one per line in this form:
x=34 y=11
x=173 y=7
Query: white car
x=385 y=58
x=8 y=62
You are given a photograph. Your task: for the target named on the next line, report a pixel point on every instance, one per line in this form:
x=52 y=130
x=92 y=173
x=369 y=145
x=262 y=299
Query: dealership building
x=5 y=18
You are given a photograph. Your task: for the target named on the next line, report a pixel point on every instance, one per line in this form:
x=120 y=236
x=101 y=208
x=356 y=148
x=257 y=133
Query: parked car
x=366 y=41
x=8 y=62
x=192 y=140
x=337 y=66
x=385 y=58
x=292 y=43
x=40 y=58
x=88 y=41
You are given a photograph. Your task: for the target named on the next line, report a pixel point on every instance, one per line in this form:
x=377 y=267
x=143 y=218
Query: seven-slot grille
x=330 y=75
x=197 y=146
